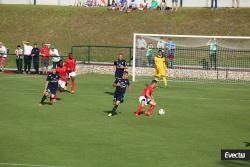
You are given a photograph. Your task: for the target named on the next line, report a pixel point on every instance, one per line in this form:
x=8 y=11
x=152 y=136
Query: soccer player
x=120 y=84
x=51 y=86
x=62 y=71
x=147 y=98
x=70 y=64
x=120 y=65
x=160 y=67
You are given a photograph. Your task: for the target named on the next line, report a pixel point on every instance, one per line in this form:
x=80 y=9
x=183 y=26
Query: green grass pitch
x=201 y=119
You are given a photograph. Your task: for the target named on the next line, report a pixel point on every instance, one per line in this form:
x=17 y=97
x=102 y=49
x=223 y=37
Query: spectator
x=141 y=45
x=19 y=59
x=163 y=5
x=235 y=2
x=132 y=6
x=213 y=53
x=35 y=55
x=150 y=54
x=55 y=55
x=113 y=5
x=122 y=5
x=27 y=56
x=3 y=56
x=175 y=5
x=161 y=46
x=154 y=5
x=44 y=52
x=213 y=4
x=171 y=46
x=144 y=5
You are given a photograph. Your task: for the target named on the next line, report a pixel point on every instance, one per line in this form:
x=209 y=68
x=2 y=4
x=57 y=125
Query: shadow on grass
x=247 y=144
x=47 y=103
x=110 y=93
x=234 y=163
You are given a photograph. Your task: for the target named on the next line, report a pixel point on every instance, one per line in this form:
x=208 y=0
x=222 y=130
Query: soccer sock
x=114 y=109
x=150 y=109
x=165 y=81
x=138 y=109
x=72 y=85
x=43 y=98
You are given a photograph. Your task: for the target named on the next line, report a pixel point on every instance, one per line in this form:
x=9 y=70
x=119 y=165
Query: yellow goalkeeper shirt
x=160 y=62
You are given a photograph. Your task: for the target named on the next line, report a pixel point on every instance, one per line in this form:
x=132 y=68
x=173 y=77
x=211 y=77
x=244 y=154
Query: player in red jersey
x=70 y=64
x=147 y=98
x=62 y=70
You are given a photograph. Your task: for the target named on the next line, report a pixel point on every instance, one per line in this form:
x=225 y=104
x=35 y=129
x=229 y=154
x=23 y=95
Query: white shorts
x=143 y=98
x=62 y=84
x=72 y=74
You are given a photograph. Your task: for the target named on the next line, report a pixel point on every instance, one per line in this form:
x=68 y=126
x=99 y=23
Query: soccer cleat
x=72 y=92
x=136 y=114
x=110 y=114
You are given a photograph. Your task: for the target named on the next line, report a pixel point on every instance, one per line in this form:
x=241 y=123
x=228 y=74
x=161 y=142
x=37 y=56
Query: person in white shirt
x=141 y=45
x=27 y=48
x=55 y=55
x=19 y=59
x=3 y=56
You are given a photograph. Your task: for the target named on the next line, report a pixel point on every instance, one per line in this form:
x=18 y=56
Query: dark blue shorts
x=52 y=90
x=119 y=97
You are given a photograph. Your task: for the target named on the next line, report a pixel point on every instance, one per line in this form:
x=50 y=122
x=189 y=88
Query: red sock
x=72 y=85
x=150 y=109
x=138 y=109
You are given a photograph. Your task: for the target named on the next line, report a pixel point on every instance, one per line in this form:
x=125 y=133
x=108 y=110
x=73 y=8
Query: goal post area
x=193 y=57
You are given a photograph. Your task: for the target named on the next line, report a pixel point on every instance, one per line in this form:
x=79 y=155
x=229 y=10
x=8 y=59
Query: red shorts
x=170 y=57
x=2 y=60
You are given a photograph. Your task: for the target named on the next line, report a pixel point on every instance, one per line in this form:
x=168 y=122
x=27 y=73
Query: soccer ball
x=161 y=112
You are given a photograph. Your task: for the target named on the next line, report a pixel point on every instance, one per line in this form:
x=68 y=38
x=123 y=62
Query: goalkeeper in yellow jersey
x=160 y=67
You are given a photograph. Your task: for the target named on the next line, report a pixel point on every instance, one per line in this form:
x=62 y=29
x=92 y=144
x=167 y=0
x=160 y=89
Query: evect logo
x=235 y=154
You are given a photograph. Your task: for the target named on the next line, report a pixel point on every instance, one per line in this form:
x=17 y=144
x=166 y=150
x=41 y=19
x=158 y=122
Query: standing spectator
x=237 y=2
x=163 y=5
x=113 y=5
x=19 y=59
x=44 y=52
x=120 y=65
x=3 y=56
x=141 y=45
x=150 y=54
x=213 y=53
x=161 y=46
x=175 y=5
x=213 y=4
x=35 y=55
x=132 y=6
x=27 y=56
x=55 y=55
x=171 y=46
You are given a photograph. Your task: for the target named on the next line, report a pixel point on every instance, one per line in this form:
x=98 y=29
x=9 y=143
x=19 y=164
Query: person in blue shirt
x=120 y=65
x=171 y=46
x=120 y=85
x=51 y=86
x=35 y=55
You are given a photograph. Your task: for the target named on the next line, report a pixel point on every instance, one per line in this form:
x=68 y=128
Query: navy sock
x=43 y=98
x=114 y=110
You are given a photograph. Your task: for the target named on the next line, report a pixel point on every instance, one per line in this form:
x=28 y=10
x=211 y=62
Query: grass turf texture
x=201 y=119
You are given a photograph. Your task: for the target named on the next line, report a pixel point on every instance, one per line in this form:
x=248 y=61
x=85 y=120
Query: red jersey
x=45 y=52
x=148 y=89
x=63 y=72
x=70 y=64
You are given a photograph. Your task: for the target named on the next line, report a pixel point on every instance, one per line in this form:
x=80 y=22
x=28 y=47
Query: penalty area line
x=27 y=165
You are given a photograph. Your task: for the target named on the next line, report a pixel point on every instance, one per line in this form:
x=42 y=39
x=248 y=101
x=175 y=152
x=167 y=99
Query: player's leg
x=142 y=101
x=44 y=97
x=151 y=107
x=72 y=76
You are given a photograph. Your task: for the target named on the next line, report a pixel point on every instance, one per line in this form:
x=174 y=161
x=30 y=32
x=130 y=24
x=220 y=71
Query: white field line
x=26 y=165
